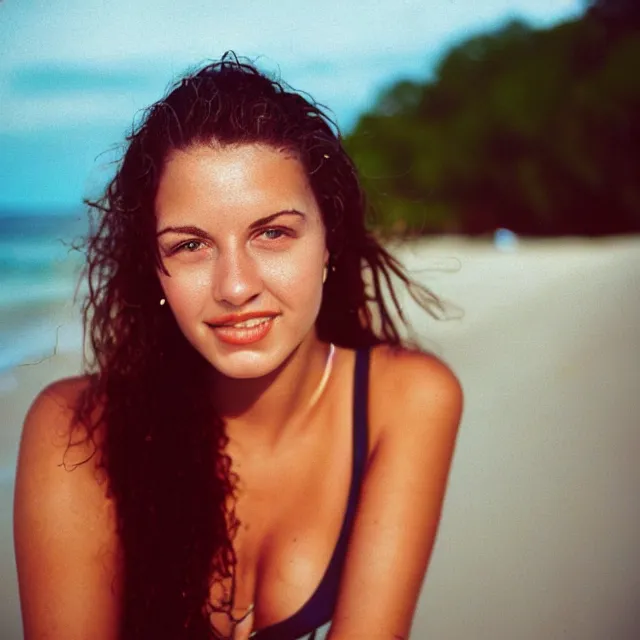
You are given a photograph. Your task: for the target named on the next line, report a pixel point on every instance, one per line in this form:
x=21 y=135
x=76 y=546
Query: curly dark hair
x=161 y=442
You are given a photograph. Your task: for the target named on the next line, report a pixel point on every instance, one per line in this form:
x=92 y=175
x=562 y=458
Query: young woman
x=252 y=451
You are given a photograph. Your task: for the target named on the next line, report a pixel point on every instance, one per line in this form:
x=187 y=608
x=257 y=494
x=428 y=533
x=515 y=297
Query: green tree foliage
x=537 y=131
x=623 y=14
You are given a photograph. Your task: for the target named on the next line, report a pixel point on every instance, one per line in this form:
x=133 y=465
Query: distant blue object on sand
x=505 y=240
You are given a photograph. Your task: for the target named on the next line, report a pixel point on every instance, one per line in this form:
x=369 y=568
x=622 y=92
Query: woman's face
x=240 y=232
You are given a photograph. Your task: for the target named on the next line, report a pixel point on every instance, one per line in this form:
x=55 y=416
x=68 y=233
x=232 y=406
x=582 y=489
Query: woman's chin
x=245 y=366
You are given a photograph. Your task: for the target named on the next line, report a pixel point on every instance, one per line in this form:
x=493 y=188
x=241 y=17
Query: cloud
x=38 y=97
x=63 y=79
x=58 y=95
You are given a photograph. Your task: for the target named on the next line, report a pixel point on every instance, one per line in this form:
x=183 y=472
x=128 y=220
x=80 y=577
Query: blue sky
x=73 y=73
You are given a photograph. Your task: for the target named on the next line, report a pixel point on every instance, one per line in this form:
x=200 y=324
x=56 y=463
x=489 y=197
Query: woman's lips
x=234 y=318
x=243 y=335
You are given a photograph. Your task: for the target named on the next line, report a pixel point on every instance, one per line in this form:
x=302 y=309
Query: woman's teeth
x=249 y=323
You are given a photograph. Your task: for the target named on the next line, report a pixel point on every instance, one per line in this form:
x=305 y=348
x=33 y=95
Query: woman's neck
x=261 y=410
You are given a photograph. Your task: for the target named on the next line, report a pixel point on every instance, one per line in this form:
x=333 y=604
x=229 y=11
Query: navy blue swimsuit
x=313 y=619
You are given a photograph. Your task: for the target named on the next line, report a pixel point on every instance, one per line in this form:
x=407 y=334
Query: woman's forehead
x=240 y=180
x=237 y=156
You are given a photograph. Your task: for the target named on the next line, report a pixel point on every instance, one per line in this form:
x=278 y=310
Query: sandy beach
x=541 y=520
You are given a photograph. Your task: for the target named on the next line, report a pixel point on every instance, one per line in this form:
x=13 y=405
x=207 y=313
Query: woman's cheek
x=186 y=290
x=293 y=279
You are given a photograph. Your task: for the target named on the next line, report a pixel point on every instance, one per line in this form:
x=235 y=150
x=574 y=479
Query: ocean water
x=39 y=274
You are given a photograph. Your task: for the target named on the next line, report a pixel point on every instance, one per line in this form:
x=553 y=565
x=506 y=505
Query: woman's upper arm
x=401 y=501
x=64 y=531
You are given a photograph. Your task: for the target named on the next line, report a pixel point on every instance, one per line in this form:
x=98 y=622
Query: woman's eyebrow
x=200 y=233
x=262 y=221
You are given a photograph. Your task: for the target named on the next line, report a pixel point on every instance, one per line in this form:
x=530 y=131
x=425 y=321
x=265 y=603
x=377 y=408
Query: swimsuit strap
x=318 y=610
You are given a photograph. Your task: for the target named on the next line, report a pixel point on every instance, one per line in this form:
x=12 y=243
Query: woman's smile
x=244 y=333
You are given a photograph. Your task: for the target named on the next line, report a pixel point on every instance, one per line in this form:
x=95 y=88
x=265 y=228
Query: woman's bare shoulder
x=64 y=523
x=59 y=399
x=51 y=437
x=62 y=394
x=415 y=407
x=403 y=381
x=395 y=365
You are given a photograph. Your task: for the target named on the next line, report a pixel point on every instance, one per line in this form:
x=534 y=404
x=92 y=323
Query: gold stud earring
x=325 y=273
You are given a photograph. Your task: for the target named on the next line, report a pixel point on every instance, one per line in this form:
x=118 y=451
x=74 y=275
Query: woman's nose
x=236 y=278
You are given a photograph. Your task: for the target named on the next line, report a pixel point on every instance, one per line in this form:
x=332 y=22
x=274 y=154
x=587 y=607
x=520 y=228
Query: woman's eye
x=186 y=246
x=275 y=233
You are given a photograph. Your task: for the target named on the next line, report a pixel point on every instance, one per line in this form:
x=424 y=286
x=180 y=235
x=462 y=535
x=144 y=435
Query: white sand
x=541 y=522
x=539 y=537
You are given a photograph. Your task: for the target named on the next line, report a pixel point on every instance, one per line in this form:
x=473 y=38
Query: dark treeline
x=537 y=131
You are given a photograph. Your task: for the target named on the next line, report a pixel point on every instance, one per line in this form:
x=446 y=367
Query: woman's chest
x=290 y=511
